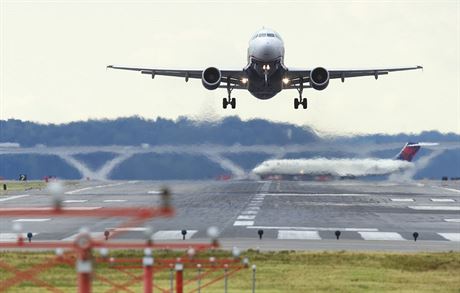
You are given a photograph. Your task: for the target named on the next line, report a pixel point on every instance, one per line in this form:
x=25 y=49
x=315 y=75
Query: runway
x=293 y=215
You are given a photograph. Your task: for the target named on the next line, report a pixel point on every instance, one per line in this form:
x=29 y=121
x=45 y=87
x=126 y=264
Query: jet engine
x=319 y=78
x=211 y=78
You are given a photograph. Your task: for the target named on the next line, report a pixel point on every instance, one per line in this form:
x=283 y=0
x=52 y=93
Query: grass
x=283 y=271
x=21 y=185
x=16 y=186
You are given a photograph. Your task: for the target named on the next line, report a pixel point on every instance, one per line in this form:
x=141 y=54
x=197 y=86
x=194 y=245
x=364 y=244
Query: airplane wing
x=296 y=76
x=233 y=76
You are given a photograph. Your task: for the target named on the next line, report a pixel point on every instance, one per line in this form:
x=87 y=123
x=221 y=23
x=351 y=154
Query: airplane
x=338 y=167
x=265 y=74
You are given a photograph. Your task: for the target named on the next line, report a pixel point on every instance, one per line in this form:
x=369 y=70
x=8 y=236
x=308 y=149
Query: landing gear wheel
x=296 y=103
x=233 y=103
x=304 y=103
x=300 y=101
x=229 y=101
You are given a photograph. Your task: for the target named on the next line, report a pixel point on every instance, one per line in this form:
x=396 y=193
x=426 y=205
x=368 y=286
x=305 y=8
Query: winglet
x=109 y=66
x=420 y=67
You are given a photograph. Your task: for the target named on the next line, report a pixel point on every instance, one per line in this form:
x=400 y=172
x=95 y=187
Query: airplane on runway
x=265 y=74
x=324 y=168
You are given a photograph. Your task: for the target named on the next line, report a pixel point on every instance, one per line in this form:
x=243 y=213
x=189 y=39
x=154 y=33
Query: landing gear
x=300 y=101
x=229 y=101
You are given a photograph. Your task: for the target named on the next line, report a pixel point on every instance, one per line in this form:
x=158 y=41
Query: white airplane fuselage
x=265 y=74
x=265 y=69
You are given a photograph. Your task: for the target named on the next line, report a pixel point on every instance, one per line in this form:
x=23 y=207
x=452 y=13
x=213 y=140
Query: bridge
x=215 y=153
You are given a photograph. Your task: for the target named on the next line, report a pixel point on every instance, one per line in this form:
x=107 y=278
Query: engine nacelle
x=211 y=78
x=319 y=78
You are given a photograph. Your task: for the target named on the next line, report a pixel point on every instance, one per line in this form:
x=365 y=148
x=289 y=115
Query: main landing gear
x=300 y=101
x=229 y=101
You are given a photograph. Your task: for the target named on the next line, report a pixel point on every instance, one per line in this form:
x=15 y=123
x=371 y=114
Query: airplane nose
x=266 y=51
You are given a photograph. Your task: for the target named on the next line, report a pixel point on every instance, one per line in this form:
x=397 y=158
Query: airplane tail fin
x=408 y=151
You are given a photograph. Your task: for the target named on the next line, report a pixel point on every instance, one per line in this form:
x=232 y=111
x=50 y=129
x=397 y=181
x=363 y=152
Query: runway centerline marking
x=75 y=200
x=31 y=220
x=246 y=217
x=252 y=208
x=435 y=208
x=442 y=200
x=313 y=228
x=243 y=223
x=14 y=197
x=452 y=220
x=381 y=236
x=249 y=212
x=402 y=199
x=451 y=236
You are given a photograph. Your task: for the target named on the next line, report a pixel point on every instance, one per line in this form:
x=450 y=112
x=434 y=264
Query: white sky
x=54 y=54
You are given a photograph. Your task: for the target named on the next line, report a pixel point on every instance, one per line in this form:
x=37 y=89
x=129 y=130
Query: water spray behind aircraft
x=342 y=168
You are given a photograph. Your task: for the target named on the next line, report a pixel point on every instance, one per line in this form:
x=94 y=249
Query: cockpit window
x=262 y=35
x=271 y=35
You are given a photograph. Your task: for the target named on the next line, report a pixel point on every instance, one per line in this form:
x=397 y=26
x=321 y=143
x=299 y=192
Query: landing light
x=244 y=80
x=285 y=80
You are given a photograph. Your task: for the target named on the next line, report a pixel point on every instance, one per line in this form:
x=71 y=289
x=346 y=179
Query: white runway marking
x=154 y=192
x=442 y=200
x=301 y=235
x=243 y=223
x=451 y=236
x=402 y=199
x=12 y=237
x=435 y=208
x=452 y=220
x=94 y=187
x=75 y=200
x=128 y=229
x=48 y=208
x=253 y=208
x=246 y=217
x=381 y=236
x=172 y=235
x=92 y=234
x=31 y=220
x=114 y=200
x=450 y=189
x=249 y=212
x=14 y=197
x=312 y=228
x=318 y=194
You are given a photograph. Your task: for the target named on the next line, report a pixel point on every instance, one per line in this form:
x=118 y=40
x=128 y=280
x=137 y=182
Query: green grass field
x=281 y=272
x=15 y=186
x=21 y=185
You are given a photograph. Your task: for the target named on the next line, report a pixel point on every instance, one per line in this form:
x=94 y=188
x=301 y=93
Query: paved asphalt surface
x=292 y=215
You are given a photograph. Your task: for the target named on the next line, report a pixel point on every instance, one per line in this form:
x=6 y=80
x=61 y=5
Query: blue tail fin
x=408 y=152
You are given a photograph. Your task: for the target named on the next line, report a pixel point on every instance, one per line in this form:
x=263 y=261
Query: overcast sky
x=54 y=54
